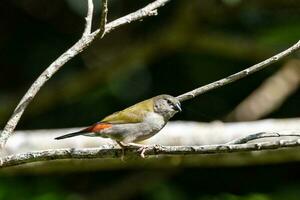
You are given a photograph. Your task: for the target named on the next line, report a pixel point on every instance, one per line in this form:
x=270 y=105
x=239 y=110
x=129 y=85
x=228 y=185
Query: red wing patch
x=99 y=127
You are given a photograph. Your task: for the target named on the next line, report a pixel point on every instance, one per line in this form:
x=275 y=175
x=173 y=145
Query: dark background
x=190 y=43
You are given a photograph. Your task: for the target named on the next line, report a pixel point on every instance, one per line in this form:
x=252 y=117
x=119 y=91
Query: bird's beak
x=177 y=107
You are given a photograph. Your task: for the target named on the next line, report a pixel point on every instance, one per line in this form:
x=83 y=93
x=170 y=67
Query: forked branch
x=78 y=47
x=104 y=152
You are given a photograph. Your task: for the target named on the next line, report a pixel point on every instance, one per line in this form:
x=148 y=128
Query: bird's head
x=166 y=105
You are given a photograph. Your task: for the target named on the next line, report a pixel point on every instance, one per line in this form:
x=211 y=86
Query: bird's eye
x=169 y=102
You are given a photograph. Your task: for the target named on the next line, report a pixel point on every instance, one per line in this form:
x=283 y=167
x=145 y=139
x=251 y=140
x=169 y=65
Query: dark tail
x=72 y=134
x=94 y=128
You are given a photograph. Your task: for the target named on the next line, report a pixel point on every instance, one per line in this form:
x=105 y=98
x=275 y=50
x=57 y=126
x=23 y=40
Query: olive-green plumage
x=133 y=114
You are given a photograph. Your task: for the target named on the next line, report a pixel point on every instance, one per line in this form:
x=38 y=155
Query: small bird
x=134 y=124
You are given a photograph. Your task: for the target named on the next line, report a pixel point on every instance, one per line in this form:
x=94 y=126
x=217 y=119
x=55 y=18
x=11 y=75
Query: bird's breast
x=151 y=125
x=154 y=121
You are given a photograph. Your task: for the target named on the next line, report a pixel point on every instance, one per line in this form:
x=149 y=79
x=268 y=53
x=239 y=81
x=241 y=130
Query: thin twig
x=89 y=19
x=147 y=11
x=239 y=75
x=78 y=47
x=112 y=152
x=104 y=11
x=261 y=135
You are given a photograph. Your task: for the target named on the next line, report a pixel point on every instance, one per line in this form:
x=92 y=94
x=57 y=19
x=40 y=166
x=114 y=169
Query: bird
x=135 y=123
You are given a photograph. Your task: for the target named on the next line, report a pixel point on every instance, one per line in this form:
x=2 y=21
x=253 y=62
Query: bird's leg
x=123 y=146
x=144 y=147
x=154 y=147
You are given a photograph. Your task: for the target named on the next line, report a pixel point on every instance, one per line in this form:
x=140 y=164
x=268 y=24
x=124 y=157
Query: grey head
x=166 y=105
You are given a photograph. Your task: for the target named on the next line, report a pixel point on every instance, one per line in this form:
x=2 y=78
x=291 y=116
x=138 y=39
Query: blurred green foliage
x=238 y=183
x=186 y=45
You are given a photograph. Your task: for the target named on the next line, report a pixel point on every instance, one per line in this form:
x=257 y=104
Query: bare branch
x=112 y=152
x=89 y=19
x=195 y=134
x=78 y=47
x=239 y=75
x=149 y=10
x=104 y=11
x=261 y=135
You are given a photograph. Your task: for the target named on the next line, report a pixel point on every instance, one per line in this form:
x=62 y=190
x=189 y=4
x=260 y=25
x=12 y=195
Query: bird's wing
x=133 y=114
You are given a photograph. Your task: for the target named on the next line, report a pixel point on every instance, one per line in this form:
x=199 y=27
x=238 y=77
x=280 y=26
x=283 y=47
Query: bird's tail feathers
x=81 y=132
x=94 y=128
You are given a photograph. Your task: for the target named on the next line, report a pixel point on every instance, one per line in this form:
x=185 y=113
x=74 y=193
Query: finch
x=134 y=124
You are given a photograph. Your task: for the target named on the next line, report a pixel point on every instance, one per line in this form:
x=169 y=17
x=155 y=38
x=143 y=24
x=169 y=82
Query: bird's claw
x=128 y=145
x=142 y=149
x=146 y=148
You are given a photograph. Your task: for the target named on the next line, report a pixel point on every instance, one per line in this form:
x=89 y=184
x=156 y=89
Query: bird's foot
x=127 y=145
x=123 y=147
x=144 y=148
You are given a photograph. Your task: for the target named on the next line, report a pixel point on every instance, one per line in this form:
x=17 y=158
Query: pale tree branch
x=113 y=152
x=78 y=47
x=89 y=19
x=239 y=75
x=175 y=133
x=261 y=135
x=216 y=136
x=147 y=11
